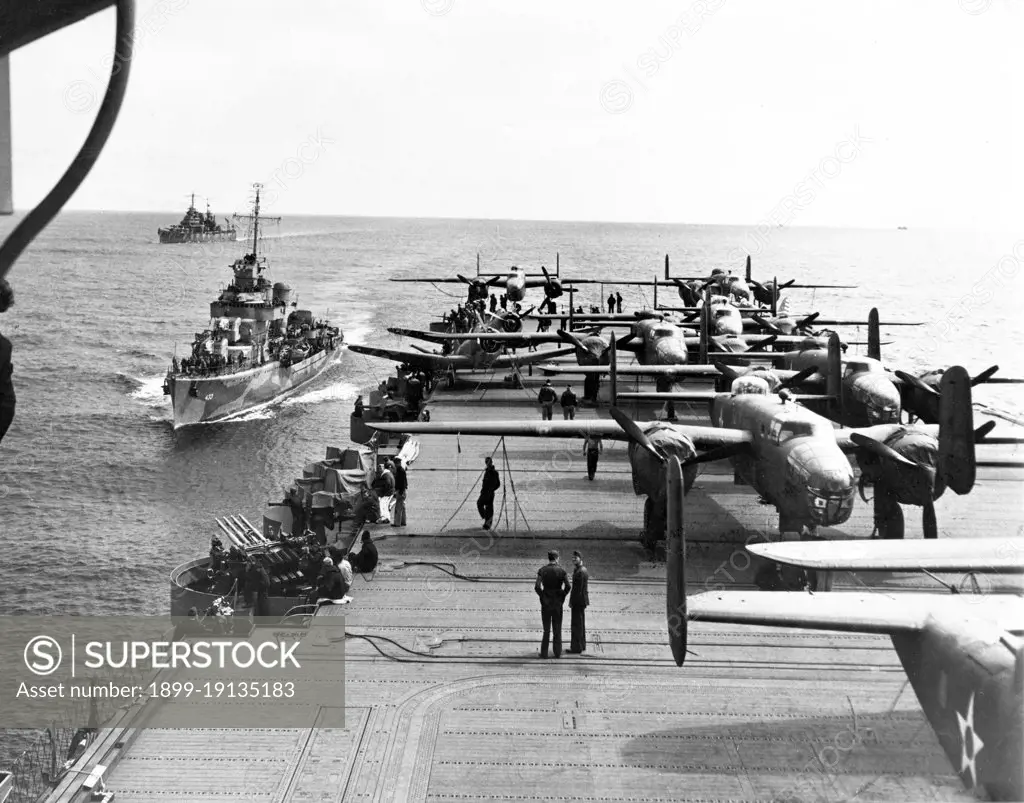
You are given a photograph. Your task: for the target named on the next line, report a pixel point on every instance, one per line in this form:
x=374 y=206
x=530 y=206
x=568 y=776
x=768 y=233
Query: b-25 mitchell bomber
x=515 y=283
x=963 y=654
x=483 y=348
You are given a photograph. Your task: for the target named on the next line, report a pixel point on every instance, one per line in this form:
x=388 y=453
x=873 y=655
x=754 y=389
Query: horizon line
x=875 y=227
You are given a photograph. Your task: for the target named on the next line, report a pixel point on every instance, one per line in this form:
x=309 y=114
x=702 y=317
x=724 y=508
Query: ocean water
x=100 y=498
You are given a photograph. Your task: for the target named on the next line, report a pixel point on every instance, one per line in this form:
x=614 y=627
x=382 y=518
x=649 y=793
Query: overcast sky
x=842 y=113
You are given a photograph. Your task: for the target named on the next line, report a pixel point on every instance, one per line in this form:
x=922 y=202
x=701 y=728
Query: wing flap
x=856 y=612
x=1003 y=555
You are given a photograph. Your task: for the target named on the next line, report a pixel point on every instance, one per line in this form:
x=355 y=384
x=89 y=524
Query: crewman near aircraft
x=579 y=599
x=618 y=301
x=592 y=446
x=611 y=302
x=490 y=484
x=330 y=584
x=503 y=301
x=365 y=560
x=546 y=398
x=569 y=404
x=552 y=587
x=494 y=303
x=591 y=384
x=6 y=368
x=401 y=488
x=357 y=411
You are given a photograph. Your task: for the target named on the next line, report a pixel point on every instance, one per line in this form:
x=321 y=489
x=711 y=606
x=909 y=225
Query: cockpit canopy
x=863 y=366
x=755 y=385
x=663 y=331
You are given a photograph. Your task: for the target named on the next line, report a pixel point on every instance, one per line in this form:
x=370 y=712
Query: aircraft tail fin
x=775 y=295
x=666 y=269
x=750 y=275
x=613 y=372
x=675 y=569
x=957 y=464
x=874 y=335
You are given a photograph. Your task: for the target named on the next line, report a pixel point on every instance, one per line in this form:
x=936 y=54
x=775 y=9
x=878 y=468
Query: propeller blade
x=931 y=527
x=790 y=283
x=983 y=430
x=420 y=348
x=984 y=376
x=806 y=322
x=493 y=281
x=766 y=325
x=798 y=378
x=547 y=276
x=758 y=345
x=727 y=371
x=571 y=338
x=634 y=433
x=880 y=450
x=463 y=278
x=917 y=382
x=721 y=453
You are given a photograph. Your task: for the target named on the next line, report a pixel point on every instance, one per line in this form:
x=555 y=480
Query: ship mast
x=256 y=220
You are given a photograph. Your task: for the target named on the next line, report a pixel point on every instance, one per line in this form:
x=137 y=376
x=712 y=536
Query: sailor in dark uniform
x=552 y=586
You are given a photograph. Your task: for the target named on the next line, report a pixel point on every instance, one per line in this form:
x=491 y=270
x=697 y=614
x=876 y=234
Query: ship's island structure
x=259 y=346
x=196 y=227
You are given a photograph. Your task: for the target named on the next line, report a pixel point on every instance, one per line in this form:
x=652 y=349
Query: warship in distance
x=198 y=228
x=258 y=348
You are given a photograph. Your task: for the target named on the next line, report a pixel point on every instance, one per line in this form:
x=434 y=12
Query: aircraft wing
x=634 y=370
x=1001 y=554
x=702 y=437
x=878 y=432
x=530 y=358
x=851 y=612
x=444 y=280
x=704 y=395
x=460 y=362
x=428 y=362
x=504 y=337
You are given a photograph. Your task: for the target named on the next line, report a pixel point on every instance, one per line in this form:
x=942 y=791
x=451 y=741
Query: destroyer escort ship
x=198 y=228
x=258 y=348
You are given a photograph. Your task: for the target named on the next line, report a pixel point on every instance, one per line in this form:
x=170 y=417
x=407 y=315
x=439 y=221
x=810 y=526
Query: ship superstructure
x=195 y=227
x=258 y=347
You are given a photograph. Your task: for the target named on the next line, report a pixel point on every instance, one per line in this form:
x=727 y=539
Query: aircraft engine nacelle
x=489 y=346
x=917 y=485
x=553 y=287
x=512 y=323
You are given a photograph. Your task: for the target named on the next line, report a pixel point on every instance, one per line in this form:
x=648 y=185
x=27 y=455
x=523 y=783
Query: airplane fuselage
x=515 y=286
x=968 y=678
x=794 y=460
x=664 y=343
x=869 y=396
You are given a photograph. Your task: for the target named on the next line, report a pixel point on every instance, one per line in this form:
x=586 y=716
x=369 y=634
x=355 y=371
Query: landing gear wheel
x=888 y=515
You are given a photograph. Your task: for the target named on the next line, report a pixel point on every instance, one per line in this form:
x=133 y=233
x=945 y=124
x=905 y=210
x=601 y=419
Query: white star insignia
x=972 y=746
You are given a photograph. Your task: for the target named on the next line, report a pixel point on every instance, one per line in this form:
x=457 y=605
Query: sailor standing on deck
x=546 y=398
x=592 y=445
x=401 y=488
x=579 y=599
x=569 y=403
x=6 y=369
x=552 y=586
x=611 y=302
x=490 y=484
